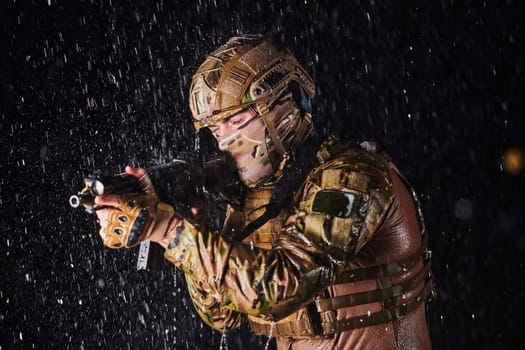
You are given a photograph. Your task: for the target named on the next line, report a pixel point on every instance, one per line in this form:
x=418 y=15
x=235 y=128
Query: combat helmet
x=247 y=71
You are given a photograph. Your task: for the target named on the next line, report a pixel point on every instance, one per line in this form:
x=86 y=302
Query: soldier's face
x=243 y=136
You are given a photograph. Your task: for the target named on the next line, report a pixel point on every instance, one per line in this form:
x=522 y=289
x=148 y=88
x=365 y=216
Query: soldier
x=323 y=247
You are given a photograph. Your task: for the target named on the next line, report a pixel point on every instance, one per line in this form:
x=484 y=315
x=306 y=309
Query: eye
x=240 y=118
x=236 y=120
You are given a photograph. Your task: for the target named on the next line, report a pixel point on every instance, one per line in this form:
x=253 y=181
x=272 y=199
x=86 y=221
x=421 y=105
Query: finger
x=135 y=172
x=113 y=200
x=102 y=215
x=102 y=233
x=102 y=221
x=194 y=210
x=145 y=181
x=140 y=173
x=196 y=206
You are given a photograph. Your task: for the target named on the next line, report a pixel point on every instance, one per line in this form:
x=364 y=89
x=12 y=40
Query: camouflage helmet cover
x=246 y=71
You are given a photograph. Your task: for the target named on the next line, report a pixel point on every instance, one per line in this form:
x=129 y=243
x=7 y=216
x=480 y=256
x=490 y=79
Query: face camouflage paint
x=247 y=146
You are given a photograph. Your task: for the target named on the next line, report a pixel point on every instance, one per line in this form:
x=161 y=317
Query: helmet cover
x=246 y=71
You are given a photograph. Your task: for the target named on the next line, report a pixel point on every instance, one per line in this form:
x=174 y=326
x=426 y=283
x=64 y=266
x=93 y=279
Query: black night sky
x=103 y=83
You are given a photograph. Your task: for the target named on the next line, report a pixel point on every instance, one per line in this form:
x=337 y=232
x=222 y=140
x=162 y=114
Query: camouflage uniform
x=342 y=267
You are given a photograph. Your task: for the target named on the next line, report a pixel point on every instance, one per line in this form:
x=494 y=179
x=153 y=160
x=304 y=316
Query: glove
x=128 y=219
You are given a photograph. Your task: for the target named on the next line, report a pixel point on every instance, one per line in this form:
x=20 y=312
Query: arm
x=236 y=277
x=320 y=240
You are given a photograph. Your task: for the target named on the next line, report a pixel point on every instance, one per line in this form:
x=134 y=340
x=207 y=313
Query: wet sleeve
x=210 y=311
x=335 y=217
x=344 y=205
x=227 y=278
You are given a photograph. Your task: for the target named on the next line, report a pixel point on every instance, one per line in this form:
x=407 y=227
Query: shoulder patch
x=346 y=199
x=334 y=203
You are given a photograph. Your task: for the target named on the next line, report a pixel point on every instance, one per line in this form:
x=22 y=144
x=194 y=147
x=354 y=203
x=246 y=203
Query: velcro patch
x=334 y=203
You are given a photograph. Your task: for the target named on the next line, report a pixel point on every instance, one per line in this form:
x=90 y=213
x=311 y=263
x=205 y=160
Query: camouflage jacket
x=353 y=214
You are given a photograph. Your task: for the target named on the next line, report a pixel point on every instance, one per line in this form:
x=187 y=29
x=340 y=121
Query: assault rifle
x=178 y=183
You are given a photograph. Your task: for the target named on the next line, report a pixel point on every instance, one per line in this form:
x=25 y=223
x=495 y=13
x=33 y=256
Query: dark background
x=101 y=84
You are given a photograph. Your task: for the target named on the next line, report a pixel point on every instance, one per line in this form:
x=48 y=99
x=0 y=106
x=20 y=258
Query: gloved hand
x=129 y=219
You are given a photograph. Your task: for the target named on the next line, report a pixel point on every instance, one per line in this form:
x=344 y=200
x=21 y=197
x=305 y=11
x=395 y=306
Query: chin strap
x=281 y=107
x=263 y=110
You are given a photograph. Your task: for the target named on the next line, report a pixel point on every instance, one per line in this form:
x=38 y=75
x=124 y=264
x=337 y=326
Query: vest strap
x=379 y=317
x=302 y=328
x=379 y=295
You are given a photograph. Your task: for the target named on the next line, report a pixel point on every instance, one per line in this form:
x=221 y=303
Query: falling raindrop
x=463 y=209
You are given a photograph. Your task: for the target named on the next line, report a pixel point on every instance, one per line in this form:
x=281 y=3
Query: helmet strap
x=284 y=160
x=285 y=156
x=262 y=110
